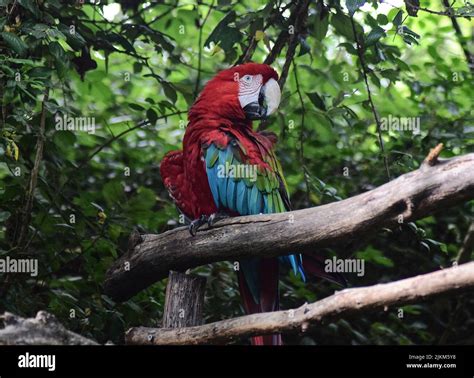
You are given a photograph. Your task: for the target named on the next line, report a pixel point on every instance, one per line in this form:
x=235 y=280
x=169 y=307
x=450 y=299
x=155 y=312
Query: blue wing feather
x=245 y=198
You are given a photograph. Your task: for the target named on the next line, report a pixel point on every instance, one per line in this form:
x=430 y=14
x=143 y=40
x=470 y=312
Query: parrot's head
x=246 y=92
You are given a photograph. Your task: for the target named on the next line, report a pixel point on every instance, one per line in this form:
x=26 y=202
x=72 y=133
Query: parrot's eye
x=247 y=78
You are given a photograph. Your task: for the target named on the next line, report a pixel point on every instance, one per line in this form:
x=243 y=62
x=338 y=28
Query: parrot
x=225 y=168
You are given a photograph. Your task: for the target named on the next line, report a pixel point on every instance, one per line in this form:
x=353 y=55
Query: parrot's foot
x=197 y=223
x=215 y=217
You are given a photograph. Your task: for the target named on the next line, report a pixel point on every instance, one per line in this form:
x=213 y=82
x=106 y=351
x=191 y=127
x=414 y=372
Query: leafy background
x=136 y=67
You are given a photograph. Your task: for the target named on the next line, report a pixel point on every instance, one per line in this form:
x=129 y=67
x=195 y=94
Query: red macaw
x=227 y=168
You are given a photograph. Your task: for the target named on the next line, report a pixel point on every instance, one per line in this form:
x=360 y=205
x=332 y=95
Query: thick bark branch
x=343 y=303
x=44 y=329
x=409 y=197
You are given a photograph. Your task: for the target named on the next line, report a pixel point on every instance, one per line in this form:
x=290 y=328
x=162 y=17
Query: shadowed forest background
x=134 y=68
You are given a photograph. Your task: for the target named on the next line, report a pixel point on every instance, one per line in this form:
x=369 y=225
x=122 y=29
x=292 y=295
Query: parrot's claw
x=215 y=217
x=197 y=223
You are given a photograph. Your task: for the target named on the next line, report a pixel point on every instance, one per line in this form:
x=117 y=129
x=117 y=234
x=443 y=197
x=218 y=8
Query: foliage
x=135 y=68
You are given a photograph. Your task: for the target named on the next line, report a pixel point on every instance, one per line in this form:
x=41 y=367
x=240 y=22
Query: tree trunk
x=184 y=300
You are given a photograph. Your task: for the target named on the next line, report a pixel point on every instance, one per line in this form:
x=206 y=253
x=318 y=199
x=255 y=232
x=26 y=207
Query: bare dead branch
x=343 y=303
x=432 y=157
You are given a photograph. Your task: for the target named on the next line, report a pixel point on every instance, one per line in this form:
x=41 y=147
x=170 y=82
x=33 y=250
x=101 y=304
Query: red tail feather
x=269 y=300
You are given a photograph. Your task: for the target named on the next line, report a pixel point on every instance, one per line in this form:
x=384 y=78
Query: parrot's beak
x=268 y=101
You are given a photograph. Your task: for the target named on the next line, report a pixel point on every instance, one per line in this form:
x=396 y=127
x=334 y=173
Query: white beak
x=272 y=93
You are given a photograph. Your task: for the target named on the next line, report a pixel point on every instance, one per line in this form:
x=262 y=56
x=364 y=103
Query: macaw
x=228 y=169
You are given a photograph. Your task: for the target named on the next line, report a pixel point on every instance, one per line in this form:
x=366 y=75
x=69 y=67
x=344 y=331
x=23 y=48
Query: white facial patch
x=249 y=89
x=272 y=94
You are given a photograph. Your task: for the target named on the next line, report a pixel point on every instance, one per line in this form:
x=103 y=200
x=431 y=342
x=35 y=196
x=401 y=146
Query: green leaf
x=338 y=99
x=57 y=51
x=321 y=28
x=169 y=91
x=224 y=35
x=349 y=47
x=136 y=107
x=40 y=72
x=409 y=39
x=152 y=116
x=353 y=5
x=113 y=193
x=374 y=35
x=305 y=47
x=31 y=6
x=317 y=100
x=397 y=20
x=382 y=19
x=73 y=38
x=343 y=25
x=64 y=138
x=145 y=199
x=15 y=43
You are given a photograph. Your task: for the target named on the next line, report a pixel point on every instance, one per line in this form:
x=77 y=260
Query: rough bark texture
x=435 y=185
x=379 y=297
x=184 y=300
x=44 y=329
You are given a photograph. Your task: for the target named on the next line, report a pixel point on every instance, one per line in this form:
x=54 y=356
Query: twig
x=297 y=21
x=29 y=195
x=369 y=94
x=301 y=14
x=449 y=12
x=469 y=56
x=247 y=54
x=118 y=136
x=433 y=155
x=277 y=47
x=201 y=26
x=301 y=134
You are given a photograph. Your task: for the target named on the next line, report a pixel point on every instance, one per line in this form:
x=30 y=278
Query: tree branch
x=343 y=303
x=450 y=12
x=201 y=27
x=409 y=197
x=296 y=24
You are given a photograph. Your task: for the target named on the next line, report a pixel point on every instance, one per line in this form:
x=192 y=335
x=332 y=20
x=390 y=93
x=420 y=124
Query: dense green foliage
x=127 y=62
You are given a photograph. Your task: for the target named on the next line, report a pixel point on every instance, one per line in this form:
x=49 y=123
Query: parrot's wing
x=242 y=186
x=245 y=187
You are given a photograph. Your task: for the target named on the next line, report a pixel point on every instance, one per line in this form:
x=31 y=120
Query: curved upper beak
x=268 y=101
x=272 y=95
